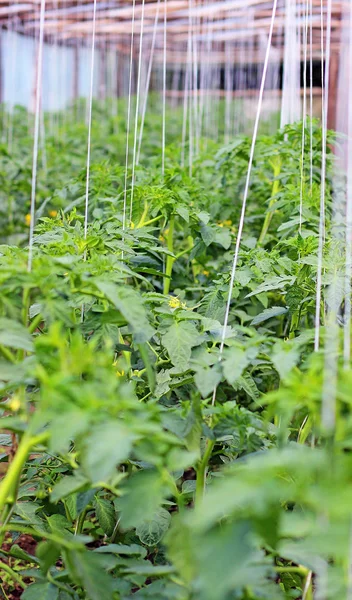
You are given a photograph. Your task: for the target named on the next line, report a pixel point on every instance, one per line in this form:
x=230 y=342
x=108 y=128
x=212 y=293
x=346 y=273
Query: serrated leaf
x=223 y=237
x=40 y=591
x=248 y=384
x=106 y=446
x=105 y=513
x=183 y=212
x=179 y=340
x=68 y=485
x=152 y=570
x=275 y=283
x=284 y=358
x=234 y=363
x=207 y=379
x=86 y=569
x=131 y=306
x=151 y=531
x=15 y=335
x=123 y=549
x=269 y=313
x=148 y=485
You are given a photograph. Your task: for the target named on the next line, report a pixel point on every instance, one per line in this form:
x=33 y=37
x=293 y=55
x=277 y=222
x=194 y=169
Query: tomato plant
x=129 y=481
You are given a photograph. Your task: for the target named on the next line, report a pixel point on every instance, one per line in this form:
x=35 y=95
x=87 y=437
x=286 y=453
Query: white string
x=164 y=96
x=195 y=85
x=90 y=122
x=36 y=132
x=190 y=84
x=304 y=120
x=149 y=73
x=185 y=106
x=325 y=100
x=311 y=92
x=348 y=258
x=137 y=108
x=128 y=121
x=246 y=189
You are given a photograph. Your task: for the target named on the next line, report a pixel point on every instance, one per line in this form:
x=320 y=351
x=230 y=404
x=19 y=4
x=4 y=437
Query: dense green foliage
x=115 y=460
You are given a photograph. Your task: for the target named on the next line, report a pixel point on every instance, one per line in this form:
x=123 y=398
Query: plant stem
x=33 y=326
x=7 y=354
x=153 y=220
x=275 y=189
x=15 y=576
x=169 y=259
x=299 y=570
x=8 y=489
x=202 y=471
x=144 y=214
x=308 y=587
x=148 y=365
x=184 y=251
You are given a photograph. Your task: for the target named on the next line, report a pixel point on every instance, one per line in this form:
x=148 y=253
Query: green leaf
x=123 y=549
x=106 y=446
x=207 y=379
x=234 y=363
x=208 y=234
x=275 y=283
x=179 y=340
x=105 y=513
x=223 y=237
x=151 y=531
x=48 y=553
x=86 y=569
x=269 y=313
x=131 y=306
x=285 y=357
x=147 y=485
x=15 y=335
x=183 y=212
x=247 y=383
x=68 y=485
x=40 y=591
x=151 y=570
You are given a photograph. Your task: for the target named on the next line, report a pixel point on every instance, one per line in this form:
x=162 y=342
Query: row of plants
x=121 y=476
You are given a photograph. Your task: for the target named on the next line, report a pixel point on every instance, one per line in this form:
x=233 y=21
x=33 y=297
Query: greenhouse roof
x=226 y=22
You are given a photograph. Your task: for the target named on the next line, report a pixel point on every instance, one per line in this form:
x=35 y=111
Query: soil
x=27 y=543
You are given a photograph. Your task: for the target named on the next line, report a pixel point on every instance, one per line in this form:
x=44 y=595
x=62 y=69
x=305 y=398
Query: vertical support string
x=36 y=133
x=90 y=121
x=128 y=120
x=137 y=109
x=311 y=91
x=149 y=73
x=304 y=116
x=348 y=231
x=325 y=100
x=246 y=189
x=164 y=95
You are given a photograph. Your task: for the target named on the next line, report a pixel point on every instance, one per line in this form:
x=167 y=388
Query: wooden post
x=1 y=72
x=102 y=72
x=333 y=84
x=75 y=72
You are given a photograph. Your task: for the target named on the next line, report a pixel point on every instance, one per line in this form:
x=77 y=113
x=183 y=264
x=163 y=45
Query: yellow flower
x=14 y=404
x=227 y=223
x=120 y=373
x=206 y=273
x=27 y=220
x=175 y=302
x=53 y=213
x=132 y=225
